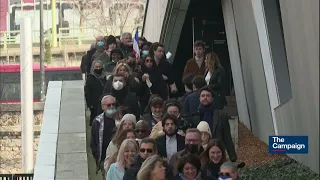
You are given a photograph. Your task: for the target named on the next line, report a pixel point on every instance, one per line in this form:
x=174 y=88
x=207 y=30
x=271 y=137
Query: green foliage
x=47 y=52
x=280 y=169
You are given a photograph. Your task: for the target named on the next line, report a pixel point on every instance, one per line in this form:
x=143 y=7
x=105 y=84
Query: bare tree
x=85 y=8
x=126 y=14
x=110 y=16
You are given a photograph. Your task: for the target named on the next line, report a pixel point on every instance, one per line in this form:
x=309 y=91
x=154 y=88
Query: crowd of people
x=141 y=128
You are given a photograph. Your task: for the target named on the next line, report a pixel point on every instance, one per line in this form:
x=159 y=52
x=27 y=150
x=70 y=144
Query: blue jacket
x=115 y=173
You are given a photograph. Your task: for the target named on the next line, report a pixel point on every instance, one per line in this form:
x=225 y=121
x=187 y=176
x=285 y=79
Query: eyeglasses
x=224 y=174
x=142 y=150
x=139 y=131
x=193 y=141
x=109 y=105
x=148 y=60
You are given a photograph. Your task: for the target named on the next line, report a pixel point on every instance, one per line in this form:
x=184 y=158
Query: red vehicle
x=10 y=80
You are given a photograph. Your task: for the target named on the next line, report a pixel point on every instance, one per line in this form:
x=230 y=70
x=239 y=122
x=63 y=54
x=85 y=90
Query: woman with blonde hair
x=116 y=142
x=124 y=70
x=126 y=153
x=152 y=169
x=215 y=79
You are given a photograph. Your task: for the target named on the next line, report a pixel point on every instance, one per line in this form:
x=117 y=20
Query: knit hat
x=129 y=117
x=111 y=40
x=203 y=126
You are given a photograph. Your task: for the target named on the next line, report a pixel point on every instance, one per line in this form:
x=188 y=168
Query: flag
x=136 y=50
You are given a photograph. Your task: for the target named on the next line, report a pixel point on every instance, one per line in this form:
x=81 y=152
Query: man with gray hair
x=126 y=43
x=229 y=170
x=101 y=131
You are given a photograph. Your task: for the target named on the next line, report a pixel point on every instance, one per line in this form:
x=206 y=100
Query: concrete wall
x=300 y=115
x=62 y=152
x=253 y=70
x=154 y=19
x=172 y=29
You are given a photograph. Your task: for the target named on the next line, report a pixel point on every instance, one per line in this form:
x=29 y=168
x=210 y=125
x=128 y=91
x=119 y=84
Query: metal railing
x=13 y=37
x=66 y=36
x=16 y=176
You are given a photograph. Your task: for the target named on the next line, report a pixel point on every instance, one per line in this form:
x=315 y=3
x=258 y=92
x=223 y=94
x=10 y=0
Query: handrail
x=65 y=35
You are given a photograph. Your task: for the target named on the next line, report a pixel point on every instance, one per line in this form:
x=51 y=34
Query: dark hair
x=156 y=101
x=199 y=44
x=191 y=159
x=130 y=54
x=206 y=88
x=117 y=37
x=153 y=48
x=187 y=80
x=120 y=136
x=199 y=82
x=111 y=40
x=167 y=116
x=143 y=39
x=152 y=60
x=172 y=102
x=193 y=130
x=205 y=155
x=151 y=141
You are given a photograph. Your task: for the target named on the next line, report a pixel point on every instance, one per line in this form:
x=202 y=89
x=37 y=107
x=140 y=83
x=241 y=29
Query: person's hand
x=145 y=77
x=164 y=77
x=130 y=161
x=126 y=74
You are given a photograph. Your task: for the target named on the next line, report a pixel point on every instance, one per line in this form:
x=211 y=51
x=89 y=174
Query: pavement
x=91 y=160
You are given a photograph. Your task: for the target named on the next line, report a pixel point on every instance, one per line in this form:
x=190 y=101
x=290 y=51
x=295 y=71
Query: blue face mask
x=100 y=43
x=225 y=178
x=110 y=112
x=145 y=52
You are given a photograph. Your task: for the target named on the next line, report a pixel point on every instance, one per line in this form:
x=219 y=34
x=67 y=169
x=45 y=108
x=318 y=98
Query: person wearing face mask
x=100 y=47
x=192 y=146
x=156 y=110
x=101 y=131
x=144 y=50
x=171 y=142
x=172 y=107
x=124 y=97
x=94 y=88
x=229 y=170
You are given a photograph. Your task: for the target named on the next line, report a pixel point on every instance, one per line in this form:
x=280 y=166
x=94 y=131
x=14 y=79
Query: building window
x=278 y=51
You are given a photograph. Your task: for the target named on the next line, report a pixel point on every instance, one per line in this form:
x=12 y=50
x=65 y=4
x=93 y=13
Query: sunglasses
x=139 y=131
x=224 y=174
x=112 y=104
x=142 y=150
x=148 y=60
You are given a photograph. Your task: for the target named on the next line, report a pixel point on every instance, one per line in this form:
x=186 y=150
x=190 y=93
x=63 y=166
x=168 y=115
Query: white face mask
x=118 y=85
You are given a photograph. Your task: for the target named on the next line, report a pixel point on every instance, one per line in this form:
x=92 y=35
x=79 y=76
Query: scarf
x=207 y=112
x=214 y=169
x=198 y=177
